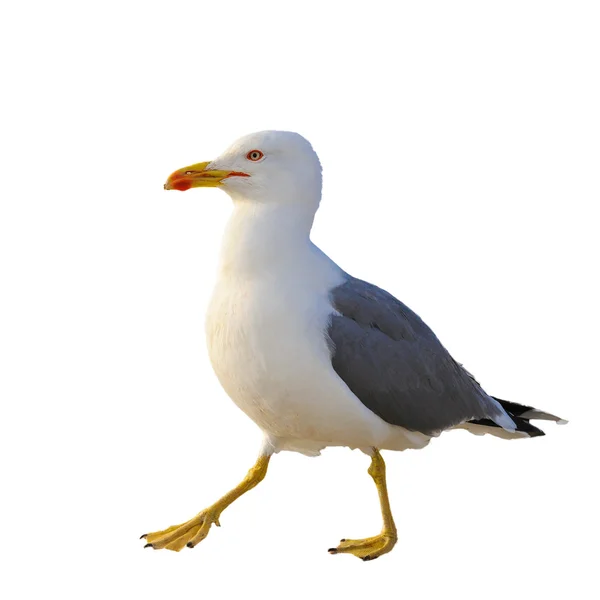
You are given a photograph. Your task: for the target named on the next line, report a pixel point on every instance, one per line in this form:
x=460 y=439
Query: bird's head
x=268 y=166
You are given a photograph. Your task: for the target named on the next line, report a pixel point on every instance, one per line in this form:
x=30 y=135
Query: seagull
x=315 y=357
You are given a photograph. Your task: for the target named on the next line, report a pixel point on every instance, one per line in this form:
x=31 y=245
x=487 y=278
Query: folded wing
x=397 y=367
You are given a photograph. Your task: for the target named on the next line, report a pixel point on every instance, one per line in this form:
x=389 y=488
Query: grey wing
x=397 y=367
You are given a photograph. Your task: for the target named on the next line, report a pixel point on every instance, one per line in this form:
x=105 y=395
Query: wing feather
x=397 y=367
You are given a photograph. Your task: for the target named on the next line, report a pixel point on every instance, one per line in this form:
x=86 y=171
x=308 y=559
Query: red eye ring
x=254 y=155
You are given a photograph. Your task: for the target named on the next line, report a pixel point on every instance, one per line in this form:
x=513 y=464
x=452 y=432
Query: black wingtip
x=523 y=425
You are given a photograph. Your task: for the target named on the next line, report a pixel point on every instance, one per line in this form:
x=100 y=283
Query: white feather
x=265 y=331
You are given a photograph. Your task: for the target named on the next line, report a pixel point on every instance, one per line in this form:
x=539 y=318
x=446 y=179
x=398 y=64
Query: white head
x=274 y=167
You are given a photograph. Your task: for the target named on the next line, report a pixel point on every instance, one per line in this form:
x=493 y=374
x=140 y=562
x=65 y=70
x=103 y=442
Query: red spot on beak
x=181 y=184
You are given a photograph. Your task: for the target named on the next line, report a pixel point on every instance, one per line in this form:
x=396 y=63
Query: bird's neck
x=264 y=238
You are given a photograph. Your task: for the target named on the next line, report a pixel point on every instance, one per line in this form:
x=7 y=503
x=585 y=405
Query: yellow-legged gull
x=314 y=356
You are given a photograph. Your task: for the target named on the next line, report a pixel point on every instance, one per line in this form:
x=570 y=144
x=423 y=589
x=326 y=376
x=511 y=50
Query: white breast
x=266 y=337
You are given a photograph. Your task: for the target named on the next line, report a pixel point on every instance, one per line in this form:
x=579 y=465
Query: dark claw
x=332 y=551
x=190 y=545
x=365 y=558
x=148 y=546
x=142 y=537
x=343 y=540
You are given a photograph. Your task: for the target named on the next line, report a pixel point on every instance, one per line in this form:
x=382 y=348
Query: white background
x=460 y=149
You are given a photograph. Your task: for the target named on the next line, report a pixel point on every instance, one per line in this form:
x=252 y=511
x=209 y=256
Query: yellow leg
x=373 y=547
x=196 y=529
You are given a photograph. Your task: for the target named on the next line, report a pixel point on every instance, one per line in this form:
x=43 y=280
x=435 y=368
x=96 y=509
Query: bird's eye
x=254 y=155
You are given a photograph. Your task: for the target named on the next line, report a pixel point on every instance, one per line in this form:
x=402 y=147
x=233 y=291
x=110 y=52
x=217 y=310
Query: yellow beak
x=198 y=176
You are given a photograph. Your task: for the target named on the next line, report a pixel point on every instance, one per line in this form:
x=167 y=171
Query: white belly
x=268 y=349
x=266 y=332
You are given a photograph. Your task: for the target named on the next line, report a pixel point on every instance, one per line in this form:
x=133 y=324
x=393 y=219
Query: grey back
x=397 y=367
